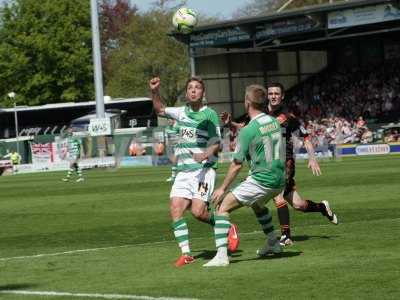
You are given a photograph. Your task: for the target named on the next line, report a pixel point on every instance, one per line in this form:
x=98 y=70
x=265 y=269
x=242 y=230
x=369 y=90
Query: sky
x=224 y=8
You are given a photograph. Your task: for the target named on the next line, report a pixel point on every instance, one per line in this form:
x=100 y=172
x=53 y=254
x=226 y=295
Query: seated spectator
x=159 y=148
x=136 y=149
x=392 y=137
x=360 y=122
x=367 y=136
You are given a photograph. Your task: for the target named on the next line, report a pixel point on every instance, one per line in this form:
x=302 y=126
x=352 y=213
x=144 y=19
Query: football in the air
x=184 y=20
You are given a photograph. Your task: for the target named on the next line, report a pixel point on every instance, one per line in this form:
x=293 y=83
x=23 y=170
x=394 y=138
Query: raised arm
x=238 y=125
x=158 y=103
x=226 y=119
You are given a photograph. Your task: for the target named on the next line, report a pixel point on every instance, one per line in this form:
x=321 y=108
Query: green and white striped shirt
x=197 y=131
x=74 y=148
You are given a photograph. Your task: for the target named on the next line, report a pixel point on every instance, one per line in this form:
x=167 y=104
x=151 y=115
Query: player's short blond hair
x=197 y=79
x=257 y=96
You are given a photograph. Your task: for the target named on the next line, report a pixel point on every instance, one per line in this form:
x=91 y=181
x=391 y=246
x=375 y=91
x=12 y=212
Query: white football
x=184 y=20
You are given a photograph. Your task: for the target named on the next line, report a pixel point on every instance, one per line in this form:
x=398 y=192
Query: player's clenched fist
x=154 y=83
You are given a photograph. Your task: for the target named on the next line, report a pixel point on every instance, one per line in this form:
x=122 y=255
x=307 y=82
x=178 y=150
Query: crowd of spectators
x=370 y=92
x=338 y=130
x=392 y=135
x=336 y=105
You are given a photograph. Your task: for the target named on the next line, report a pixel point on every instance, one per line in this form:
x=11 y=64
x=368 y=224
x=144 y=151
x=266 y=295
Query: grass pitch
x=120 y=222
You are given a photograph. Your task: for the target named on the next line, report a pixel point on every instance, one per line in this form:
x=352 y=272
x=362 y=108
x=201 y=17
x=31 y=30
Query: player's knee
x=176 y=210
x=295 y=200
x=200 y=213
x=229 y=204
x=299 y=204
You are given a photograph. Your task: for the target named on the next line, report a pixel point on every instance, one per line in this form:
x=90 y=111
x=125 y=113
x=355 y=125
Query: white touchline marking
x=99 y=249
x=80 y=251
x=146 y=244
x=86 y=295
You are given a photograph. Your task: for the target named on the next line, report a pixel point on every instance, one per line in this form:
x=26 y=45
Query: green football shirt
x=261 y=144
x=197 y=131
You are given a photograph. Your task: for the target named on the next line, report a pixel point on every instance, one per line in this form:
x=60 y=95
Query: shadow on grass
x=235 y=257
x=269 y=257
x=302 y=238
x=16 y=286
x=209 y=254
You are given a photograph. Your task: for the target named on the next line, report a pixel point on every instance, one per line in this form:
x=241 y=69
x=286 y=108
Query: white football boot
x=221 y=259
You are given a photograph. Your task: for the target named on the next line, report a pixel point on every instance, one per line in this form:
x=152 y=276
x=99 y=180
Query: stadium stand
x=371 y=92
x=337 y=105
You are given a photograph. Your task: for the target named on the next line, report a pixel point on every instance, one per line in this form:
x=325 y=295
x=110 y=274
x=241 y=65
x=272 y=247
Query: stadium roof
x=299 y=26
x=73 y=104
x=322 y=8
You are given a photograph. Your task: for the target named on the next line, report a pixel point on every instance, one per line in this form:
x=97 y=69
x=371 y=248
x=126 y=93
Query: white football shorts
x=197 y=184
x=250 y=192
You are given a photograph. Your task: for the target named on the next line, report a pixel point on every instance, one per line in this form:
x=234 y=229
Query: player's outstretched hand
x=154 y=83
x=198 y=157
x=217 y=196
x=314 y=166
x=226 y=118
